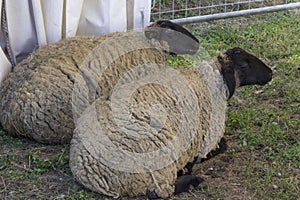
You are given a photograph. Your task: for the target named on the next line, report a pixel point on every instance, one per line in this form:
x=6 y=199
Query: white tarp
x=34 y=23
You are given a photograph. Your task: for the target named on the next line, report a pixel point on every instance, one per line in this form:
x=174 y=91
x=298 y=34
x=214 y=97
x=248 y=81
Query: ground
x=262 y=160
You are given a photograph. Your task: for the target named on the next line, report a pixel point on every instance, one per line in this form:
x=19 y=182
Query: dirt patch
x=22 y=177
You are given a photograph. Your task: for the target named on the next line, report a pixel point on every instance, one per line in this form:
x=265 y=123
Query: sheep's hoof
x=183 y=183
x=152 y=195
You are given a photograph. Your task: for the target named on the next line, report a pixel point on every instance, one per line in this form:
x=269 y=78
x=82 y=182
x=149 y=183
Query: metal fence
x=191 y=11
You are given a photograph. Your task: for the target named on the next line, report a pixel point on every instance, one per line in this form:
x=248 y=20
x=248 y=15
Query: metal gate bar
x=193 y=11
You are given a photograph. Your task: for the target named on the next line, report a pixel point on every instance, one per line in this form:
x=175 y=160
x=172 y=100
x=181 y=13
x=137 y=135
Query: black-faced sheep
x=130 y=153
x=93 y=75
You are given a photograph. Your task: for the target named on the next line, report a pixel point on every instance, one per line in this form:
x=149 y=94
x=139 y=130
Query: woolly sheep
x=35 y=102
x=128 y=153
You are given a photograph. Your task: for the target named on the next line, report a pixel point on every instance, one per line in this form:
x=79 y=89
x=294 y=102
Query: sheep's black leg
x=185 y=179
x=222 y=148
x=183 y=183
x=188 y=168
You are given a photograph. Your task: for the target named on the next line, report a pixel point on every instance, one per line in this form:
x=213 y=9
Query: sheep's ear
x=176 y=27
x=249 y=70
x=179 y=40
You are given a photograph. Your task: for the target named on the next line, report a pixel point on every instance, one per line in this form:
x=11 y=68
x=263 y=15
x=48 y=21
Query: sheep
x=36 y=96
x=174 y=116
x=35 y=103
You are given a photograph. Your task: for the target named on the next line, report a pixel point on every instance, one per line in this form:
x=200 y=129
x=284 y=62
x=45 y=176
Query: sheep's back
x=36 y=96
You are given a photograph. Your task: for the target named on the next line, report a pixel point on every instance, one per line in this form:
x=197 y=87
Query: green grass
x=262 y=126
x=274 y=38
x=177 y=60
x=265 y=121
x=41 y=166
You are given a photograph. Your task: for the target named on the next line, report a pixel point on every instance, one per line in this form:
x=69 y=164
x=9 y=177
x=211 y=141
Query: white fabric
x=111 y=19
x=35 y=23
x=53 y=19
x=5 y=67
x=141 y=14
x=73 y=14
x=21 y=27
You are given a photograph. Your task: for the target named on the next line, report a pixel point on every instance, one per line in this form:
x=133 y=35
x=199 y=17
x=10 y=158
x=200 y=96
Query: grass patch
x=8 y=140
x=178 y=60
x=42 y=165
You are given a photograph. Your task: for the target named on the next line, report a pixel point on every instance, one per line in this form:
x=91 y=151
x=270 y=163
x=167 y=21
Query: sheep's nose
x=267 y=79
x=270 y=75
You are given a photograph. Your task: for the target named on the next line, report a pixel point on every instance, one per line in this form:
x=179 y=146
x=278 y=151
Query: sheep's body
x=121 y=155
x=137 y=121
x=36 y=103
x=35 y=98
x=91 y=165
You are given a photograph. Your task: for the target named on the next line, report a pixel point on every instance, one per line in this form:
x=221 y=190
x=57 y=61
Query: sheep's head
x=240 y=68
x=178 y=39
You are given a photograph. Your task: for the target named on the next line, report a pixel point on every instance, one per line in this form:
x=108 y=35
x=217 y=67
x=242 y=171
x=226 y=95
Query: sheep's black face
x=240 y=68
x=178 y=39
x=249 y=70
